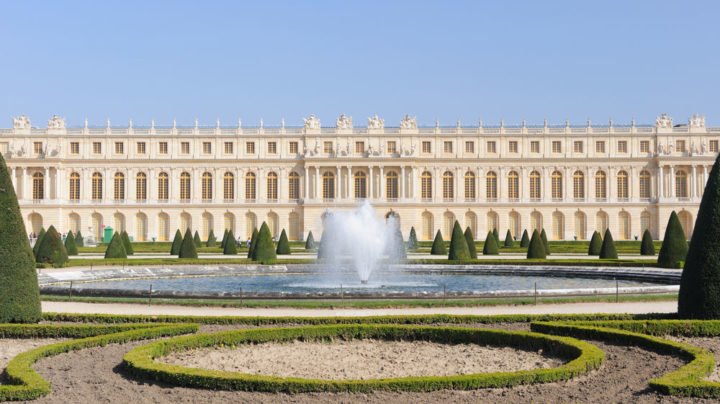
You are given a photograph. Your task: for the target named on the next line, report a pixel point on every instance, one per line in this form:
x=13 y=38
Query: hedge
x=674 y=247
x=196 y=239
x=525 y=240
x=264 y=250
x=536 y=249
x=438 y=245
x=52 y=250
x=509 y=242
x=490 y=246
x=187 y=247
x=595 y=244
x=211 y=239
x=469 y=238
x=412 y=240
x=283 y=246
x=646 y=246
x=608 y=251
x=229 y=245
x=79 y=241
x=177 y=242
x=70 y=244
x=583 y=357
x=544 y=238
x=126 y=243
x=458 y=244
x=116 y=248
x=310 y=242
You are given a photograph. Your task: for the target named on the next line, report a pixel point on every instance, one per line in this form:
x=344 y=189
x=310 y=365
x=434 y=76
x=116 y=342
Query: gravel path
x=11 y=347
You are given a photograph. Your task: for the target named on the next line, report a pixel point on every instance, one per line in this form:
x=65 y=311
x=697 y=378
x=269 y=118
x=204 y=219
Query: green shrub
x=458 y=246
x=211 y=241
x=470 y=239
x=595 y=244
x=438 y=245
x=608 y=247
x=79 y=240
x=116 y=248
x=253 y=242
x=412 y=240
x=230 y=247
x=646 y=246
x=52 y=250
x=310 y=241
x=70 y=244
x=496 y=234
x=196 y=240
x=224 y=239
x=38 y=241
x=490 y=247
x=536 y=249
x=525 y=240
x=544 y=239
x=187 y=248
x=674 y=246
x=283 y=246
x=508 y=240
x=126 y=243
x=177 y=242
x=264 y=251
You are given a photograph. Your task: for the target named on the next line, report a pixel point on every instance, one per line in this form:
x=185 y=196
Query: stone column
x=318 y=184
x=60 y=180
x=14 y=180
x=661 y=183
x=402 y=183
x=381 y=188
x=46 y=184
x=672 y=194
x=305 y=192
x=337 y=182
x=456 y=194
x=693 y=184
x=370 y=183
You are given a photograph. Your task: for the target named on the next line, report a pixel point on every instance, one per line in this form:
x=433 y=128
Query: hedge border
x=23 y=383
x=583 y=357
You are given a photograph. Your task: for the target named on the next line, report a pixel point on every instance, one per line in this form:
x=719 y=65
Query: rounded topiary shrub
x=230 y=247
x=595 y=244
x=196 y=240
x=79 y=240
x=438 y=245
x=253 y=243
x=674 y=246
x=310 y=241
x=509 y=242
x=126 y=243
x=70 y=244
x=264 y=251
x=470 y=239
x=177 y=242
x=52 y=250
x=211 y=241
x=608 y=251
x=283 y=246
x=116 y=248
x=536 y=249
x=412 y=240
x=646 y=246
x=544 y=239
x=525 y=240
x=490 y=247
x=187 y=248
x=458 y=245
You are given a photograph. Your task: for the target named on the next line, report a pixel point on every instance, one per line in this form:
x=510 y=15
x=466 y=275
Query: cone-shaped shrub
x=496 y=234
x=211 y=241
x=177 y=242
x=224 y=239
x=674 y=246
x=70 y=244
x=283 y=246
x=38 y=241
x=525 y=240
x=536 y=249
x=264 y=251
x=595 y=244
x=253 y=242
x=412 y=240
x=491 y=246
x=79 y=241
x=126 y=243
x=546 y=245
x=608 y=251
x=187 y=248
x=508 y=240
x=196 y=240
x=52 y=250
x=19 y=292
x=470 y=239
x=230 y=247
x=438 y=245
x=116 y=248
x=458 y=244
x=646 y=246
x=310 y=242
x=699 y=295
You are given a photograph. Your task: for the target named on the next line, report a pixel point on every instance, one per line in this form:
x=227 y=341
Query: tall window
x=119 y=148
x=578 y=185
x=622 y=185
x=185 y=147
x=272 y=186
x=327 y=147
x=556 y=185
x=600 y=147
x=229 y=186
x=97 y=186
x=38 y=147
x=360 y=183
x=556 y=146
x=359 y=147
x=163 y=187
x=513 y=186
x=426 y=147
x=681 y=184
x=140 y=147
x=207 y=147
x=448 y=146
x=469 y=147
x=250 y=186
x=448 y=181
x=185 y=186
x=622 y=146
x=491 y=186
x=513 y=146
x=163 y=147
x=74 y=187
x=141 y=187
x=293 y=146
x=328 y=186
x=644 y=146
x=600 y=185
x=119 y=186
x=491 y=146
x=250 y=147
x=391 y=185
x=535 y=185
x=38 y=190
x=229 y=147
x=97 y=147
x=578 y=146
x=391 y=147
x=74 y=147
x=644 y=184
x=426 y=188
x=272 y=147
x=535 y=146
x=207 y=186
x=294 y=186
x=469 y=186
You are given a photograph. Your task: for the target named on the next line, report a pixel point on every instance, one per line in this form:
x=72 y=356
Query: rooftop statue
x=663 y=121
x=311 y=122
x=56 y=123
x=21 y=122
x=408 y=122
x=343 y=122
x=376 y=122
x=696 y=121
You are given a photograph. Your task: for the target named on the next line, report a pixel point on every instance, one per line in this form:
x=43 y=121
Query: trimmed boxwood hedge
x=583 y=357
x=438 y=245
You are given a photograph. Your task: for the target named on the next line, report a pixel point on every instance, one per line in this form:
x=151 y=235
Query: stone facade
x=152 y=180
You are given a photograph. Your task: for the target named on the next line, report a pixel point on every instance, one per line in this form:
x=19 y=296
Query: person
x=247 y=243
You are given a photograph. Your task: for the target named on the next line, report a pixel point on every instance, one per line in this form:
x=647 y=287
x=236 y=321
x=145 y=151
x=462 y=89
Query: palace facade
x=570 y=180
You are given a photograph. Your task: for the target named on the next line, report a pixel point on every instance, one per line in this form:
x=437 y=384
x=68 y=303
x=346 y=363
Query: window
x=578 y=185
x=469 y=147
x=140 y=147
x=184 y=186
x=74 y=187
x=556 y=181
x=491 y=146
x=513 y=186
x=119 y=186
x=97 y=186
x=713 y=146
x=74 y=147
x=644 y=146
x=38 y=190
x=360 y=182
x=3 y=148
x=491 y=185
x=578 y=146
x=600 y=185
x=206 y=186
x=359 y=147
x=141 y=187
x=391 y=186
x=119 y=148
x=426 y=147
x=513 y=146
x=556 y=146
x=207 y=147
x=250 y=147
x=644 y=184
x=622 y=185
x=391 y=147
x=328 y=185
x=97 y=148
x=185 y=147
x=163 y=148
x=229 y=147
x=600 y=147
x=163 y=187
x=250 y=186
x=228 y=186
x=535 y=185
x=272 y=187
x=680 y=146
x=327 y=147
x=447 y=147
x=622 y=146
x=294 y=186
x=293 y=147
x=426 y=188
x=469 y=186
x=38 y=147
x=681 y=184
x=535 y=146
x=448 y=181
x=272 y=147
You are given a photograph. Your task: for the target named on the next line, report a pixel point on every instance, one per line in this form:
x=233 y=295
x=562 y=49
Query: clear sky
x=445 y=60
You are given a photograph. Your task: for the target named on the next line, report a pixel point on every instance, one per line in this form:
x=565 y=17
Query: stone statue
x=663 y=121
x=457 y=124
x=437 y=124
x=197 y=123
x=239 y=123
x=174 y=124
x=86 y=123
x=408 y=122
x=130 y=124
x=343 y=122
x=311 y=122
x=703 y=148
x=660 y=148
x=217 y=123
x=282 y=123
x=693 y=148
x=21 y=122
x=376 y=122
x=696 y=121
x=56 y=123
x=262 y=123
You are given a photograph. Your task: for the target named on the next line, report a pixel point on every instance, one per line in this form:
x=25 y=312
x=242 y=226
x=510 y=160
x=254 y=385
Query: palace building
x=570 y=180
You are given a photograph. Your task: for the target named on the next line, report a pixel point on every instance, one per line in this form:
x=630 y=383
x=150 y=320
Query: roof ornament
x=21 y=122
x=239 y=123
x=130 y=124
x=524 y=123
x=375 y=122
x=545 y=123
x=589 y=123
x=457 y=124
x=437 y=124
x=197 y=123
x=311 y=122
x=344 y=122
x=56 y=122
x=610 y=122
x=567 y=123
x=480 y=123
x=174 y=123
x=408 y=122
x=696 y=121
x=262 y=123
x=632 y=122
x=282 y=123
x=502 y=123
x=152 y=124
x=663 y=121
x=108 y=123
x=85 y=123
x=217 y=123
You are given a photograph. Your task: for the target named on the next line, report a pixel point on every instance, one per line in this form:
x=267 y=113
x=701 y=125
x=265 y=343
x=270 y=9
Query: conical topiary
x=224 y=239
x=508 y=240
x=79 y=241
x=38 y=241
x=674 y=246
x=264 y=251
x=496 y=234
x=52 y=250
x=70 y=244
x=196 y=240
x=536 y=249
x=608 y=251
x=470 y=239
x=211 y=241
x=126 y=243
x=546 y=245
x=438 y=245
x=595 y=244
x=230 y=247
x=699 y=295
x=646 y=246
x=525 y=240
x=253 y=242
x=187 y=248
x=491 y=246
x=19 y=292
x=412 y=240
x=116 y=248
x=458 y=244
x=177 y=242
x=283 y=246
x=310 y=241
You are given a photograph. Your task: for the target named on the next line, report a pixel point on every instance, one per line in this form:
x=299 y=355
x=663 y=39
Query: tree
x=126 y=243
x=253 y=242
x=79 y=240
x=116 y=248
x=458 y=245
x=491 y=245
x=595 y=244
x=412 y=240
x=19 y=292
x=38 y=241
x=177 y=242
x=230 y=247
x=196 y=240
x=699 y=295
x=496 y=234
x=283 y=246
x=543 y=236
x=438 y=245
x=187 y=248
x=508 y=240
x=70 y=244
x=525 y=241
x=470 y=239
x=224 y=239
x=264 y=251
x=646 y=246
x=608 y=251
x=310 y=242
x=674 y=246
x=52 y=250
x=211 y=241
x=536 y=249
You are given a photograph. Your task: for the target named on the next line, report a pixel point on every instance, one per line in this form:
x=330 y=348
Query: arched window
x=163 y=187
x=328 y=185
x=74 y=187
x=228 y=186
x=391 y=186
x=448 y=186
x=294 y=189
x=644 y=184
x=141 y=187
x=426 y=188
x=624 y=225
x=38 y=190
x=558 y=226
x=491 y=186
x=207 y=186
x=513 y=186
x=681 y=184
x=469 y=186
x=556 y=184
x=600 y=185
x=580 y=225
x=427 y=226
x=622 y=185
x=272 y=187
x=250 y=187
x=163 y=224
x=185 y=186
x=645 y=221
x=535 y=186
x=119 y=186
x=97 y=186
x=579 y=185
x=360 y=183
x=601 y=222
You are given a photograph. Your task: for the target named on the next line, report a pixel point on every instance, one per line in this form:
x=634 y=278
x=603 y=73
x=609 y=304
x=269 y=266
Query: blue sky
x=445 y=60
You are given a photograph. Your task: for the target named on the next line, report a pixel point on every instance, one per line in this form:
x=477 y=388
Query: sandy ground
x=10 y=347
x=712 y=345
x=362 y=359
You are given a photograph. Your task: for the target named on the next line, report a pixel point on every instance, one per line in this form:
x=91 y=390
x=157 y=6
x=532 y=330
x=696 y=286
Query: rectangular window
x=513 y=146
x=535 y=146
x=163 y=148
x=74 y=147
x=327 y=147
x=119 y=148
x=272 y=147
x=578 y=146
x=228 y=147
x=491 y=147
x=293 y=147
x=680 y=146
x=447 y=147
x=600 y=147
x=426 y=147
x=97 y=148
x=391 y=147
x=644 y=146
x=250 y=147
x=469 y=147
x=140 y=147
x=713 y=146
x=185 y=147
x=556 y=146
x=622 y=146
x=4 y=148
x=38 y=147
x=207 y=148
x=359 y=147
